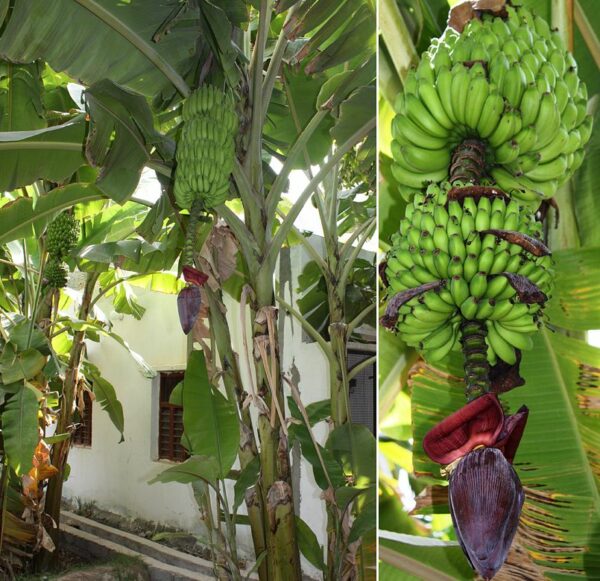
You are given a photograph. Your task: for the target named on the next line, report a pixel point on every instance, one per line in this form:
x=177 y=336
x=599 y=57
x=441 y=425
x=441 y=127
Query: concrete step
x=140 y=545
x=87 y=544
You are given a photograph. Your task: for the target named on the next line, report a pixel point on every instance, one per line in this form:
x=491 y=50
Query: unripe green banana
x=499 y=345
x=206 y=149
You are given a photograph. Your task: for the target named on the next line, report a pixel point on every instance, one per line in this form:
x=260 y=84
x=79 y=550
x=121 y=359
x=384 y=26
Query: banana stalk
x=248 y=449
x=60 y=450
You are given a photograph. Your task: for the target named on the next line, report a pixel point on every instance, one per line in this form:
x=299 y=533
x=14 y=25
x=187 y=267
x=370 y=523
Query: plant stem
x=60 y=450
x=477 y=368
x=190 y=234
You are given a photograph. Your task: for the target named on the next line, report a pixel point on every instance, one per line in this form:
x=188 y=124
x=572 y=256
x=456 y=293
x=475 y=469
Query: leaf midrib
x=138 y=42
x=57 y=145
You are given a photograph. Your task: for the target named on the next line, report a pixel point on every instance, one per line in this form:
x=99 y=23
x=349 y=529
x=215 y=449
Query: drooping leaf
x=20 y=429
x=217 y=29
x=52 y=153
x=296 y=103
x=299 y=432
x=19 y=219
x=366 y=519
x=106 y=396
x=318 y=411
x=120 y=139
x=354 y=447
x=194 y=468
x=93 y=40
x=585 y=188
x=92 y=327
x=309 y=544
x=209 y=419
x=126 y=302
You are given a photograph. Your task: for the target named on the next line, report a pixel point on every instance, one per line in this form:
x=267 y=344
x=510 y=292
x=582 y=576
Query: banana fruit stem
x=477 y=368
x=190 y=234
x=468 y=165
x=468 y=161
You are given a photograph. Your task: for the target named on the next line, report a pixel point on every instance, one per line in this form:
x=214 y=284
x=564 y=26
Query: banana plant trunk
x=60 y=450
x=283 y=558
x=248 y=448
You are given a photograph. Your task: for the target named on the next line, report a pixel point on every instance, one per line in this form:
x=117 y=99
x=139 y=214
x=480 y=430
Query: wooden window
x=362 y=390
x=170 y=419
x=82 y=436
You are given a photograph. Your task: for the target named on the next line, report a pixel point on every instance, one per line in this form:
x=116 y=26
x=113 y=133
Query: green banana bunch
x=206 y=149
x=511 y=84
x=61 y=235
x=473 y=247
x=56 y=273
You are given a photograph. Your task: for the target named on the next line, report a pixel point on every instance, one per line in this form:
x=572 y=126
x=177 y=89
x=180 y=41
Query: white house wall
x=115 y=476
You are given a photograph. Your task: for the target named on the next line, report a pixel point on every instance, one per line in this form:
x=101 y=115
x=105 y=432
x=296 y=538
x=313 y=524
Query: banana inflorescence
x=61 y=235
x=473 y=247
x=206 y=150
x=506 y=81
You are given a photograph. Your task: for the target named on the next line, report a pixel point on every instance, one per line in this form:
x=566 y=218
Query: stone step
x=88 y=545
x=139 y=544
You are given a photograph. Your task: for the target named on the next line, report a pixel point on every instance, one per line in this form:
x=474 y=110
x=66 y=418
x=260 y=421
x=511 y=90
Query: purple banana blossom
x=479 y=442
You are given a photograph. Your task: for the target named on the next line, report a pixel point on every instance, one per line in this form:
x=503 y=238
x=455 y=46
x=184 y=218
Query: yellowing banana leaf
x=557 y=459
x=52 y=153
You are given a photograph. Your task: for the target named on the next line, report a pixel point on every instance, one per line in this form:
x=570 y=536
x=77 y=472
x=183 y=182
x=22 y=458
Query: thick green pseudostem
x=283 y=556
x=468 y=165
x=282 y=524
x=60 y=450
x=477 y=368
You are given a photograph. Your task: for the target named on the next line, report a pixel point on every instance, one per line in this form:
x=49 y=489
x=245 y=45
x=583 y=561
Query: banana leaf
x=20 y=429
x=210 y=421
x=93 y=40
x=19 y=219
x=51 y=153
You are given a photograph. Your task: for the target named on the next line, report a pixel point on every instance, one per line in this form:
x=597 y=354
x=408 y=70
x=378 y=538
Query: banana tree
x=560 y=366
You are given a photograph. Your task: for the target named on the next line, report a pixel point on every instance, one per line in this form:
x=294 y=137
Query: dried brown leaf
x=460 y=15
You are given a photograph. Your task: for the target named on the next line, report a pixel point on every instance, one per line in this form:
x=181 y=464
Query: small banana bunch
x=206 y=149
x=470 y=260
x=509 y=83
x=61 y=235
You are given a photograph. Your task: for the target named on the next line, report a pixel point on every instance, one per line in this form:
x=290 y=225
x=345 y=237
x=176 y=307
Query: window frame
x=158 y=405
